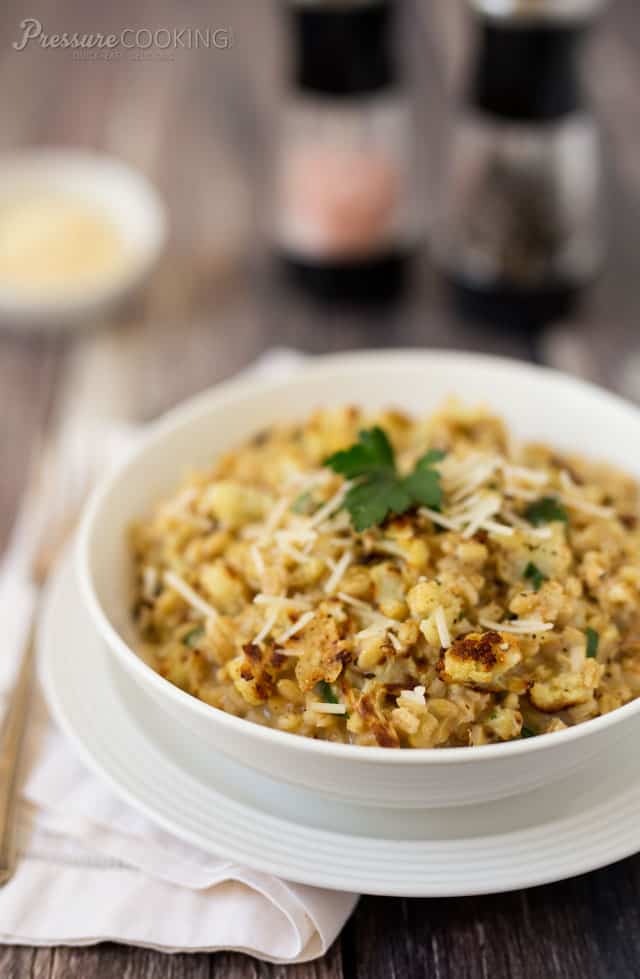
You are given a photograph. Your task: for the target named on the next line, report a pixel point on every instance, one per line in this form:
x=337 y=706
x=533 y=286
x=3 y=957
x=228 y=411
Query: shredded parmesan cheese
x=478 y=476
x=332 y=504
x=356 y=602
x=304 y=482
x=296 y=627
x=274 y=518
x=484 y=508
x=322 y=708
x=591 y=508
x=439 y=519
x=416 y=695
x=190 y=596
x=282 y=601
x=372 y=630
x=532 y=476
x=567 y=481
x=337 y=573
x=518 y=626
x=543 y=533
x=290 y=551
x=269 y=623
x=395 y=642
x=520 y=494
x=496 y=528
x=257 y=560
x=149 y=581
x=387 y=547
x=442 y=627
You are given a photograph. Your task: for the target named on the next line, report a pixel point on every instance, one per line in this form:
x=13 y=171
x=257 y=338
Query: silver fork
x=61 y=476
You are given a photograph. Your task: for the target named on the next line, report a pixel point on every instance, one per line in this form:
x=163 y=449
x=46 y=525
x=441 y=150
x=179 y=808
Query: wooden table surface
x=195 y=123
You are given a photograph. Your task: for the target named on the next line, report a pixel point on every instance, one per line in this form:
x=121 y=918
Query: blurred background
x=323 y=176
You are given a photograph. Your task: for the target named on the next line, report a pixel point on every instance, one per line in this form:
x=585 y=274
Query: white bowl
x=537 y=403
x=126 y=198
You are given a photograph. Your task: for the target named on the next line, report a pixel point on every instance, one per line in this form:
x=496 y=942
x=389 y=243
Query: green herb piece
x=303 y=503
x=325 y=690
x=533 y=574
x=380 y=489
x=546 y=510
x=192 y=637
x=423 y=484
x=526 y=732
x=373 y=499
x=592 y=642
x=372 y=453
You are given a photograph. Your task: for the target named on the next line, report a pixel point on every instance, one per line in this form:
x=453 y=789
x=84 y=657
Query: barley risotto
x=385 y=580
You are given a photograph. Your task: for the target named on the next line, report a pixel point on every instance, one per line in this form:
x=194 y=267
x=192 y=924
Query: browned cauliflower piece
x=370 y=707
x=566 y=689
x=254 y=672
x=321 y=652
x=480 y=659
x=234 y=504
x=505 y=723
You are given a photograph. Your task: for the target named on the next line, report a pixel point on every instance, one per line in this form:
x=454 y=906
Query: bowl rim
x=244 y=386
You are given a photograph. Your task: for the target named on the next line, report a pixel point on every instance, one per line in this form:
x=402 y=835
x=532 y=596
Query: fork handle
x=11 y=743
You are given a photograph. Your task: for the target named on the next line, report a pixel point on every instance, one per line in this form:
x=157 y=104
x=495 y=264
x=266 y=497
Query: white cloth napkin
x=93 y=869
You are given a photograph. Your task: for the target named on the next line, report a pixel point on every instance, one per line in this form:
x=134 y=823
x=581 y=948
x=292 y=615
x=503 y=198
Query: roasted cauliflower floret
x=235 y=504
x=505 y=723
x=224 y=587
x=413 y=720
x=424 y=599
x=566 y=689
x=547 y=604
x=373 y=650
x=480 y=659
x=551 y=555
x=321 y=654
x=357 y=582
x=389 y=590
x=369 y=708
x=419 y=731
x=254 y=672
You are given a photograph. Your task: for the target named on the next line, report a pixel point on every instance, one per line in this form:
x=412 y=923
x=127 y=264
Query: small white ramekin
x=125 y=197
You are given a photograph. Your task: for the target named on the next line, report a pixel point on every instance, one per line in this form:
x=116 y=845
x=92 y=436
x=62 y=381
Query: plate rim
x=602 y=852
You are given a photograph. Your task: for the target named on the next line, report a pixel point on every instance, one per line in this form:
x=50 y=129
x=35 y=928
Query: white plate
x=583 y=823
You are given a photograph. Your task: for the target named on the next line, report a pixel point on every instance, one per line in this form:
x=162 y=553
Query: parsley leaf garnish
x=592 y=642
x=526 y=732
x=371 y=500
x=546 y=510
x=372 y=453
x=423 y=484
x=533 y=574
x=325 y=690
x=380 y=489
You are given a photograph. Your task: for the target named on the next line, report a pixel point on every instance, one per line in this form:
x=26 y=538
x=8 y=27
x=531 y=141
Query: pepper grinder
x=521 y=231
x=345 y=215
